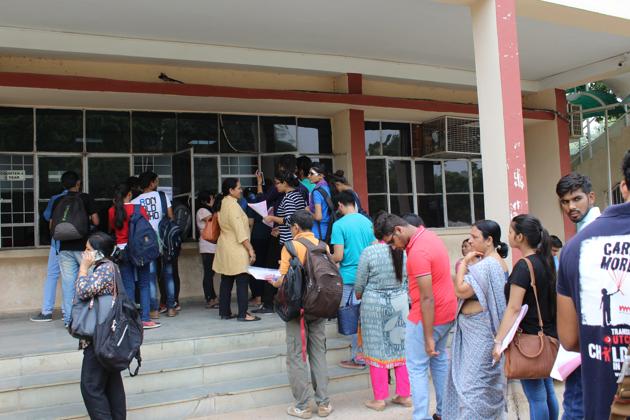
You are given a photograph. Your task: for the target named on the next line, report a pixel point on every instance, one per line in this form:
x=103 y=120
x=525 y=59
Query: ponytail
x=538 y=238
x=120 y=215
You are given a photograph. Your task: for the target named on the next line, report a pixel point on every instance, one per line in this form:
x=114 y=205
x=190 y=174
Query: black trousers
x=225 y=294
x=260 y=248
x=162 y=283
x=102 y=390
x=208 y=276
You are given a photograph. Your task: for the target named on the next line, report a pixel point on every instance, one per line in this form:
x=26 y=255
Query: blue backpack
x=169 y=233
x=143 y=245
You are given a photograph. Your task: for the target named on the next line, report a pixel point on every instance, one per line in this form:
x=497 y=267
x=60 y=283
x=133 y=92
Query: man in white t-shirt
x=158 y=206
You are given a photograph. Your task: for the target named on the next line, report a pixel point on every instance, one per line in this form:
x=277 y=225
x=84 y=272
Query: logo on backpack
x=69 y=219
x=143 y=245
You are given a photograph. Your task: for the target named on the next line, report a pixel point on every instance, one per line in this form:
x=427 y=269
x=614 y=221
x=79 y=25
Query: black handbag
x=348 y=317
x=89 y=312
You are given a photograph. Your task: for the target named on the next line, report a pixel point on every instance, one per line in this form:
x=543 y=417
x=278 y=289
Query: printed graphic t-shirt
x=355 y=232
x=153 y=205
x=427 y=255
x=593 y=270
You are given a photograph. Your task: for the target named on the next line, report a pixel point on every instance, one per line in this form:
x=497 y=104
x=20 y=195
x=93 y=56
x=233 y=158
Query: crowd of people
x=412 y=300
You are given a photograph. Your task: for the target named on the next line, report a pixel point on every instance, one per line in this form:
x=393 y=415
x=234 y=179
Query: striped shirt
x=292 y=202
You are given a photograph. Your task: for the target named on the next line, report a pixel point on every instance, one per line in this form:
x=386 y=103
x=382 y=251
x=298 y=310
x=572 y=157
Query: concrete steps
x=179 y=378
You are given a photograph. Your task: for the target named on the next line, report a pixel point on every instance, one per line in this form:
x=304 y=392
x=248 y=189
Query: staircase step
x=197 y=401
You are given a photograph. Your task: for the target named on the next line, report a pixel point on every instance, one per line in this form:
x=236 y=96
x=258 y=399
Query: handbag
x=211 y=230
x=531 y=356
x=348 y=317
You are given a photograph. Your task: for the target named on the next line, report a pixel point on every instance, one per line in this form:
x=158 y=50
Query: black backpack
x=169 y=233
x=69 y=219
x=288 y=301
x=331 y=209
x=183 y=218
x=118 y=338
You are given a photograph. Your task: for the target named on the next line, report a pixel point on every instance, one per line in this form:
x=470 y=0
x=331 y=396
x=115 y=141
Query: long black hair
x=287 y=176
x=397 y=254
x=227 y=185
x=491 y=229
x=104 y=243
x=538 y=238
x=203 y=197
x=120 y=215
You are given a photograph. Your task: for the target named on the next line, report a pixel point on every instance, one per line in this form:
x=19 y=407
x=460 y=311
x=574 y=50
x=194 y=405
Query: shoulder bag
x=211 y=230
x=531 y=356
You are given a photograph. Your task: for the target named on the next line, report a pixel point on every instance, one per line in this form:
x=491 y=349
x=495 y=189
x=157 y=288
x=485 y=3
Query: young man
x=315 y=337
x=592 y=300
x=70 y=250
x=152 y=202
x=577 y=201
x=556 y=246
x=350 y=236
x=433 y=307
x=53 y=271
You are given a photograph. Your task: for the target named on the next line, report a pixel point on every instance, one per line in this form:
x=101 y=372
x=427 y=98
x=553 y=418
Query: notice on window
x=13 y=175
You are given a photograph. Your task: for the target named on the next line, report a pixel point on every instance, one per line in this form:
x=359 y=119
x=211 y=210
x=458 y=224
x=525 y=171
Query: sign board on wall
x=13 y=175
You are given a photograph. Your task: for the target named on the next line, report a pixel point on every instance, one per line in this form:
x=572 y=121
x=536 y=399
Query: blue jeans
x=347 y=289
x=50 y=285
x=169 y=283
x=142 y=275
x=573 y=402
x=418 y=363
x=69 y=262
x=541 y=397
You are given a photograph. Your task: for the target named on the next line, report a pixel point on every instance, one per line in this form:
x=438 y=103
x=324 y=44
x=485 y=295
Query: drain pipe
x=608 y=153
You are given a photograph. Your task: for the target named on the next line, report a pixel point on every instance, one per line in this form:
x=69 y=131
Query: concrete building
x=454 y=109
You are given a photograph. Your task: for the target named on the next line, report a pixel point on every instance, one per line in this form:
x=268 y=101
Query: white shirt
x=153 y=205
x=592 y=214
x=205 y=247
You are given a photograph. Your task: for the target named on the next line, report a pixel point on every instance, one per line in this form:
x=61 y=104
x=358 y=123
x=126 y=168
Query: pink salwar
x=379 y=376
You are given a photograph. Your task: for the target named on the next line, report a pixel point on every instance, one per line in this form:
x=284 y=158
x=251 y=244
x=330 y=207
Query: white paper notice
x=260 y=273
x=261 y=209
x=566 y=363
x=512 y=332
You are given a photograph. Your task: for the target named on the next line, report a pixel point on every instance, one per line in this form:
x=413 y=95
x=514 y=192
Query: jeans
x=208 y=276
x=541 y=397
x=141 y=278
x=69 y=262
x=418 y=363
x=379 y=378
x=166 y=283
x=573 y=402
x=347 y=290
x=225 y=294
x=102 y=390
x=50 y=285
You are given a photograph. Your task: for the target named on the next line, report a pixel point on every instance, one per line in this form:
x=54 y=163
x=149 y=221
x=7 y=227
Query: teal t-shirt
x=354 y=231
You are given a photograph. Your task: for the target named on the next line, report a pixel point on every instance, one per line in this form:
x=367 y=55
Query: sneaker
x=324 y=410
x=296 y=412
x=154 y=314
x=40 y=317
x=171 y=312
x=163 y=309
x=149 y=325
x=351 y=364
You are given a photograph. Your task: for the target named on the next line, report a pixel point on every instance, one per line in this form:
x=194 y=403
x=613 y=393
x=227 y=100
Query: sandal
x=245 y=319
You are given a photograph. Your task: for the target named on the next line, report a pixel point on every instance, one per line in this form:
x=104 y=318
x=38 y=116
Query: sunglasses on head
x=313 y=173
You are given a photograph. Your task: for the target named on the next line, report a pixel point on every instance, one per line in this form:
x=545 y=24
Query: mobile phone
x=262 y=175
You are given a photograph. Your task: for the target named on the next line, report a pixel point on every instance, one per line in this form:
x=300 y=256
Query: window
x=241 y=167
x=278 y=134
x=373 y=139
x=16 y=129
x=59 y=130
x=153 y=132
x=206 y=174
x=198 y=131
x=160 y=164
x=239 y=133
x=396 y=139
x=17 y=216
x=429 y=190
x=314 y=136
x=457 y=180
x=107 y=131
x=104 y=173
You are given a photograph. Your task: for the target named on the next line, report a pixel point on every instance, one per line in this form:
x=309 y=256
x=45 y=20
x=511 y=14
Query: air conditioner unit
x=575 y=120
x=450 y=137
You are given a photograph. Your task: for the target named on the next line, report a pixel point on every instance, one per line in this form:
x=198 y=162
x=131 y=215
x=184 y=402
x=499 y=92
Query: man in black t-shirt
x=70 y=251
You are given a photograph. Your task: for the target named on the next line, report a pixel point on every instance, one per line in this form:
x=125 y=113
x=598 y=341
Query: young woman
x=529 y=236
x=292 y=201
x=381 y=285
x=234 y=251
x=206 y=249
x=341 y=184
x=317 y=201
x=479 y=284
x=102 y=390
x=119 y=215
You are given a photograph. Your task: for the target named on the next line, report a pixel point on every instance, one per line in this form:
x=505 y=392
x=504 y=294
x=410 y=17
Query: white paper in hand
x=566 y=362
x=512 y=332
x=262 y=210
x=260 y=273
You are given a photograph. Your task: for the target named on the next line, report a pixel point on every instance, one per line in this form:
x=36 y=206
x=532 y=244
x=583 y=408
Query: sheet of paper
x=512 y=332
x=259 y=273
x=261 y=209
x=566 y=362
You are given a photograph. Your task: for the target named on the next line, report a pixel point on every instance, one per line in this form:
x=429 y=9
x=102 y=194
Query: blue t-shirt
x=354 y=231
x=593 y=269
x=320 y=228
x=47 y=215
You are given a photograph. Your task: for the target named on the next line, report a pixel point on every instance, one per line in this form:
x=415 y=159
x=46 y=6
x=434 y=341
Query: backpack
x=183 y=218
x=118 y=338
x=169 y=234
x=143 y=245
x=288 y=301
x=331 y=209
x=323 y=286
x=69 y=219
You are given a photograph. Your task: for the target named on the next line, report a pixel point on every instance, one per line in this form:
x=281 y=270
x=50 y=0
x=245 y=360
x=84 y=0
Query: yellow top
x=231 y=257
x=300 y=249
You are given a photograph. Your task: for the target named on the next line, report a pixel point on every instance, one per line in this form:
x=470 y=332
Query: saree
x=475 y=388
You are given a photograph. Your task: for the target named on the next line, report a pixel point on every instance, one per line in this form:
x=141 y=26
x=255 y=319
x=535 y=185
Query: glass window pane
x=107 y=131
x=480 y=212
x=373 y=139
x=153 y=132
x=401 y=204
x=458 y=210
x=456 y=174
x=16 y=129
x=50 y=170
x=239 y=133
x=181 y=174
x=431 y=209
x=396 y=139
x=477 y=175
x=238 y=166
x=17 y=200
x=199 y=131
x=327 y=162
x=104 y=174
x=376 y=176
x=314 y=135
x=206 y=174
x=399 y=176
x=377 y=203
x=59 y=130
x=428 y=177
x=159 y=164
x=278 y=134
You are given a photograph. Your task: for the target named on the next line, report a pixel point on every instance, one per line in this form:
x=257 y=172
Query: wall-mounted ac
x=450 y=137
x=575 y=120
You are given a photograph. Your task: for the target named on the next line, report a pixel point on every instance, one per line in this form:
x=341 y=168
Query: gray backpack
x=69 y=219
